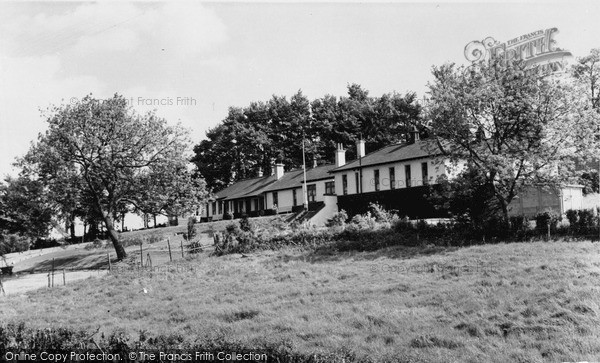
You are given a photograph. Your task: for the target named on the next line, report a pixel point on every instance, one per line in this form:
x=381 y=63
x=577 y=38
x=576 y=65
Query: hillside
x=527 y=302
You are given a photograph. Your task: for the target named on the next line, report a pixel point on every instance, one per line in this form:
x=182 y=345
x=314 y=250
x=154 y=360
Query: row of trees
x=250 y=138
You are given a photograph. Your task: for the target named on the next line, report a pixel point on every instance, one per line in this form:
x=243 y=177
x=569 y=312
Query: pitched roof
x=395 y=153
x=295 y=178
x=320 y=172
x=245 y=188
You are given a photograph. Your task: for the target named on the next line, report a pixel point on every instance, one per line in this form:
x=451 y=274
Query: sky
x=191 y=61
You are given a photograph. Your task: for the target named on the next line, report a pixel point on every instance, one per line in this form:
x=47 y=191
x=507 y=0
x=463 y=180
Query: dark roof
x=245 y=188
x=295 y=178
x=395 y=153
x=320 y=172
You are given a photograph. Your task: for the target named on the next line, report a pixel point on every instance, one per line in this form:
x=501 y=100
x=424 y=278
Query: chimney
x=414 y=135
x=340 y=156
x=360 y=148
x=278 y=170
x=315 y=162
x=260 y=172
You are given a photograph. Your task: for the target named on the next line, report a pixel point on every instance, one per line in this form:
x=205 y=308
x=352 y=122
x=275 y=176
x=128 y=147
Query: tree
x=108 y=150
x=515 y=128
x=587 y=72
x=25 y=207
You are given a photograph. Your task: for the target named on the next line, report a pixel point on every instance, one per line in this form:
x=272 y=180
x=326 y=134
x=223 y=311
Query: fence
x=148 y=256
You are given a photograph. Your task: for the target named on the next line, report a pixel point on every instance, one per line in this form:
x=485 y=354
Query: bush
x=585 y=219
x=191 y=228
x=545 y=219
x=380 y=214
x=246 y=225
x=572 y=217
x=338 y=220
x=13 y=243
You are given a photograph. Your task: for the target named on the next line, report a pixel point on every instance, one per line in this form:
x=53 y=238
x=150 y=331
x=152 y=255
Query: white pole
x=304 y=191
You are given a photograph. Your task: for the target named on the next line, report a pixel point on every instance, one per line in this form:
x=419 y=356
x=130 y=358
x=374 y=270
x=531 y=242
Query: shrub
x=191 y=228
x=338 y=220
x=585 y=218
x=518 y=224
x=13 y=243
x=380 y=214
x=572 y=217
x=246 y=225
x=545 y=219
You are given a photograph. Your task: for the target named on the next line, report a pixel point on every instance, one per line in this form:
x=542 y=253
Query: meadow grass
x=520 y=302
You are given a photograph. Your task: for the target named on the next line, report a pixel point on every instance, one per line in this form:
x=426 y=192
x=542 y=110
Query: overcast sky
x=212 y=56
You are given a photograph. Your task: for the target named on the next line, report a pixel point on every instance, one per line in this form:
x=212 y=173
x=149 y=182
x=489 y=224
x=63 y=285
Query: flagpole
x=304 y=191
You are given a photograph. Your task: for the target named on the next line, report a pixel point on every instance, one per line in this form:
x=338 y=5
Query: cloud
x=50 y=53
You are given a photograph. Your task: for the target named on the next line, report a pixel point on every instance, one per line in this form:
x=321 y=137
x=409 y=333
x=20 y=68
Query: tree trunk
x=114 y=236
x=72 y=226
x=123 y=222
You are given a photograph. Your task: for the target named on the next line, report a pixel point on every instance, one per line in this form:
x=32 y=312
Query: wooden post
x=64 y=277
x=49 y=280
x=182 y=256
x=549 y=230
x=52 y=272
x=169 y=244
x=2 y=288
x=109 y=264
x=141 y=254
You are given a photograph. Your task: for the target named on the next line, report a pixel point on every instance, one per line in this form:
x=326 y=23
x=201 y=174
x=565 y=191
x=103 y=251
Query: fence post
x=49 y=280
x=549 y=231
x=109 y=264
x=182 y=256
x=141 y=254
x=169 y=244
x=64 y=277
x=2 y=288
x=52 y=272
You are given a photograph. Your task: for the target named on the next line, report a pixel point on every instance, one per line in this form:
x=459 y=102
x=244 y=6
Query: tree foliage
x=103 y=157
x=249 y=139
x=514 y=128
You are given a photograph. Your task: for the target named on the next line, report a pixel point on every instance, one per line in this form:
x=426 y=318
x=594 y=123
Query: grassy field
x=528 y=302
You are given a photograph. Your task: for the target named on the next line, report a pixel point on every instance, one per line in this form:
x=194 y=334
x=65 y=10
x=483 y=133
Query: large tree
x=511 y=125
x=108 y=152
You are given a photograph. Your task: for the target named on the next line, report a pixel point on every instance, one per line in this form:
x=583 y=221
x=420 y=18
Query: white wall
x=435 y=168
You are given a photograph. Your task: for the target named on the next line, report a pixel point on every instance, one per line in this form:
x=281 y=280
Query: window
x=407 y=176
x=376 y=177
x=357 y=184
x=295 y=196
x=214 y=208
x=345 y=184
x=330 y=188
x=220 y=206
x=275 y=200
x=425 y=173
x=311 y=190
x=392 y=178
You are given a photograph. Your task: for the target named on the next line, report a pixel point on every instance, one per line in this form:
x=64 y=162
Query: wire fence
x=149 y=257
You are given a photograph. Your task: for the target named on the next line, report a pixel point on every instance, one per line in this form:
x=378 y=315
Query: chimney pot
x=340 y=156
x=278 y=171
x=360 y=148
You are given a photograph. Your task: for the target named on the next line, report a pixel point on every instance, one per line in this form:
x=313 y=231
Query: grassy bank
x=524 y=302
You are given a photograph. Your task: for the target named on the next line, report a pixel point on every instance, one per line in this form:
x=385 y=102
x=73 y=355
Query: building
x=398 y=177
x=281 y=192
